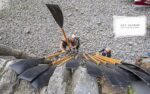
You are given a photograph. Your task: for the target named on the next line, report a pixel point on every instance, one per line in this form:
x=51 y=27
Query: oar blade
x=129 y=77
x=34 y=72
x=73 y=64
x=144 y=76
x=115 y=75
x=25 y=64
x=93 y=69
x=43 y=79
x=135 y=67
x=57 y=13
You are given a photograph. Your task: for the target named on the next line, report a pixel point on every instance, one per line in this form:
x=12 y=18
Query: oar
x=108 y=60
x=43 y=79
x=73 y=64
x=36 y=71
x=92 y=67
x=144 y=76
x=58 y=16
x=25 y=64
x=113 y=75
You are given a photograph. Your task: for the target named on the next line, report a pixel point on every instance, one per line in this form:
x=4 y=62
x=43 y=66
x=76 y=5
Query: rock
x=130 y=43
x=140 y=88
x=107 y=88
x=58 y=81
x=1 y=38
x=8 y=77
x=145 y=63
x=4 y=8
x=10 y=84
x=4 y=4
x=83 y=83
x=69 y=14
x=145 y=60
x=24 y=87
x=33 y=15
x=98 y=23
x=2 y=64
x=27 y=30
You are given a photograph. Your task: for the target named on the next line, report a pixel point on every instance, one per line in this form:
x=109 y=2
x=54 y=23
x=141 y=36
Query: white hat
x=108 y=49
x=73 y=36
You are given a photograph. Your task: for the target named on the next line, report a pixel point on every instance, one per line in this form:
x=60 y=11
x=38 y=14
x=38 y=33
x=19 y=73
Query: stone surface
x=107 y=88
x=91 y=18
x=24 y=87
x=140 y=88
x=2 y=64
x=9 y=84
x=58 y=81
x=4 y=4
x=62 y=81
x=83 y=83
x=8 y=78
x=145 y=63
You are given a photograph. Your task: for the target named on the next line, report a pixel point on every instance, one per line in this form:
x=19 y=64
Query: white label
x=129 y=26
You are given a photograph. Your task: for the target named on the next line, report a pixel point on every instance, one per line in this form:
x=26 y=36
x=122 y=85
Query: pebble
x=69 y=14
x=96 y=30
x=1 y=38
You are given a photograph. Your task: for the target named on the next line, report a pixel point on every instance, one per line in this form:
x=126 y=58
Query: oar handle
x=55 y=54
x=93 y=59
x=66 y=38
x=60 y=60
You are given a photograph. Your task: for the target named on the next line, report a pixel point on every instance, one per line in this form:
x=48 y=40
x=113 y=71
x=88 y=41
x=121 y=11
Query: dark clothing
x=75 y=44
x=109 y=54
x=104 y=53
x=64 y=45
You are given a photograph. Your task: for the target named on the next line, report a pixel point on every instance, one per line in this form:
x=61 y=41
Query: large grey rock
x=2 y=64
x=8 y=78
x=10 y=84
x=58 y=81
x=83 y=83
x=107 y=88
x=4 y=4
x=24 y=87
x=144 y=62
x=61 y=82
x=140 y=88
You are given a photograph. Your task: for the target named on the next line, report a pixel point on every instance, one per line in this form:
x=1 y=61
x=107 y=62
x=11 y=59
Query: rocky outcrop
x=107 y=88
x=83 y=83
x=7 y=77
x=144 y=62
x=62 y=81
x=58 y=82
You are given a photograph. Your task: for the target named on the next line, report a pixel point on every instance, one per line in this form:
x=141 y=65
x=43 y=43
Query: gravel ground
x=29 y=26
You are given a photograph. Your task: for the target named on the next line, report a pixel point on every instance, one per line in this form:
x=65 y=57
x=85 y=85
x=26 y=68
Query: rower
x=106 y=52
x=74 y=43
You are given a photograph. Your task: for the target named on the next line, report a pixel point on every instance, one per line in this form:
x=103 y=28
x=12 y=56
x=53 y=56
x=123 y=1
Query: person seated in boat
x=73 y=41
x=106 y=52
x=63 y=44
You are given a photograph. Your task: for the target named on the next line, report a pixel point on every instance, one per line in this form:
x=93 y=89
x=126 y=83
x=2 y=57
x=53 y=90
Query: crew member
x=63 y=44
x=73 y=41
x=106 y=52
